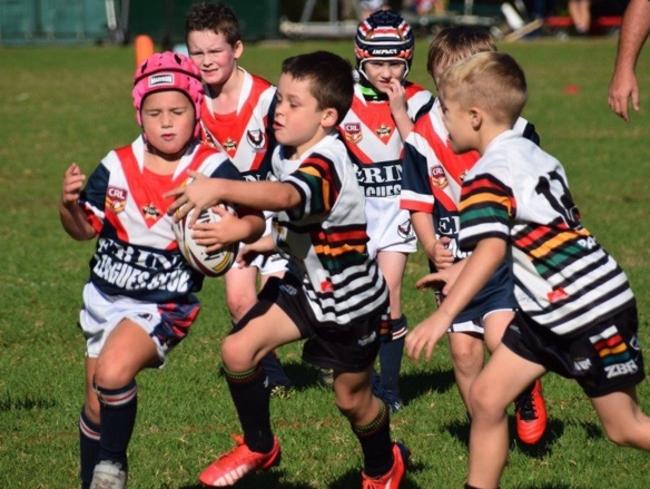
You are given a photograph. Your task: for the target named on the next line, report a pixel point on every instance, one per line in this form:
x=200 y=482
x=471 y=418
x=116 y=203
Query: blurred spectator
x=367 y=7
x=425 y=7
x=634 y=32
x=580 y=12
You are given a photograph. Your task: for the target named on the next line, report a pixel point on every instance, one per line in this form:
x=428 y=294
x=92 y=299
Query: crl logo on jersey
x=116 y=199
x=438 y=177
x=352 y=132
x=256 y=139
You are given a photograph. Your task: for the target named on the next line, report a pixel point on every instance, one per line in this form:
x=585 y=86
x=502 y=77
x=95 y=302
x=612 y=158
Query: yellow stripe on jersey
x=485 y=197
x=338 y=250
x=556 y=242
x=325 y=184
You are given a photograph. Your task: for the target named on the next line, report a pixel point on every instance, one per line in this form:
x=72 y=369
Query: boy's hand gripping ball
x=211 y=264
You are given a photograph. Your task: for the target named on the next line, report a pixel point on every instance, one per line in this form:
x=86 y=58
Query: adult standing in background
x=634 y=32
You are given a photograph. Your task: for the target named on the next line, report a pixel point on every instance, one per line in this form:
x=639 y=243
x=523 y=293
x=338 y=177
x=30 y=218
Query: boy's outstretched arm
x=205 y=192
x=477 y=270
x=72 y=216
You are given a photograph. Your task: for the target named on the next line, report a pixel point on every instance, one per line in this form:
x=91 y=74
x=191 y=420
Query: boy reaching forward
x=335 y=296
x=577 y=315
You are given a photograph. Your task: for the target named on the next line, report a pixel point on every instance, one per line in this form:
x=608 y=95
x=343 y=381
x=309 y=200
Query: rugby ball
x=211 y=264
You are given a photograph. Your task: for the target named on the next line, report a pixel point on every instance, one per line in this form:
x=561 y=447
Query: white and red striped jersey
x=370 y=133
x=244 y=135
x=137 y=253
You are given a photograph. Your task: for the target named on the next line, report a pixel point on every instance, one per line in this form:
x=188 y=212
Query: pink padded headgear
x=168 y=71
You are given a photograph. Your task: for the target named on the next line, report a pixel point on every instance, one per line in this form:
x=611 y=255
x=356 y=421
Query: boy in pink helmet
x=139 y=301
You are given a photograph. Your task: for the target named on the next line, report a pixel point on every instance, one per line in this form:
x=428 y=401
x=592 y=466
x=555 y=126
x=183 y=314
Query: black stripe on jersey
x=531 y=134
x=583 y=310
x=569 y=259
x=586 y=270
x=313 y=161
x=95 y=190
x=414 y=171
x=358 y=292
x=473 y=187
x=298 y=211
x=425 y=109
x=300 y=228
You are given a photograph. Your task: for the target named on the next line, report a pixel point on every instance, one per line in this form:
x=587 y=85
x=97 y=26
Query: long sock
x=376 y=444
x=251 y=395
x=118 y=408
x=274 y=370
x=390 y=356
x=272 y=366
x=88 y=448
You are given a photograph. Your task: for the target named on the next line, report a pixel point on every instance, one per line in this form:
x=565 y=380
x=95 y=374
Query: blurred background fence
x=119 y=21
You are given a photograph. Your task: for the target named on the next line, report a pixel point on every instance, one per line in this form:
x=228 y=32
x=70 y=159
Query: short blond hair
x=492 y=81
x=456 y=43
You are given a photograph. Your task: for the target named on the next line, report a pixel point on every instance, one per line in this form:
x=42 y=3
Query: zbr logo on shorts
x=256 y=139
x=614 y=353
x=116 y=199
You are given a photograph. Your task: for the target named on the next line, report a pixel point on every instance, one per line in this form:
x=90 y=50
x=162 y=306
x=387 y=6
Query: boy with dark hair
x=334 y=297
x=576 y=312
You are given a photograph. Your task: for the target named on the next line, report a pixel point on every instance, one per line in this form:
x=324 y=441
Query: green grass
x=59 y=105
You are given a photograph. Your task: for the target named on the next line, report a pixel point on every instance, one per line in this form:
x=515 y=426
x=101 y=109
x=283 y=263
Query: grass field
x=65 y=104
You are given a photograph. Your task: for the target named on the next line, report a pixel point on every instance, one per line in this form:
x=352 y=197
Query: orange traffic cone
x=143 y=45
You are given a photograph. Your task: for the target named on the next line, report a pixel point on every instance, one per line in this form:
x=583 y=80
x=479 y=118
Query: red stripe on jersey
x=345 y=236
x=535 y=235
x=484 y=185
x=415 y=206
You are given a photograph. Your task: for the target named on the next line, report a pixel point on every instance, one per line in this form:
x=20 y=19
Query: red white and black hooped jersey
x=371 y=135
x=325 y=235
x=245 y=134
x=564 y=280
x=137 y=253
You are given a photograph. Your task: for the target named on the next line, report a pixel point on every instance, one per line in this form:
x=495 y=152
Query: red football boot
x=530 y=414
x=392 y=478
x=238 y=462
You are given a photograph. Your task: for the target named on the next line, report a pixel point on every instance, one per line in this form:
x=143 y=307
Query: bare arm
x=207 y=192
x=71 y=215
x=475 y=272
x=424 y=230
x=634 y=32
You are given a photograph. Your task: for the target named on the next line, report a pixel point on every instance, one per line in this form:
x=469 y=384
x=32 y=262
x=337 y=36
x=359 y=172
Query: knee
x=467 y=358
x=111 y=373
x=239 y=304
x=483 y=404
x=351 y=404
x=235 y=354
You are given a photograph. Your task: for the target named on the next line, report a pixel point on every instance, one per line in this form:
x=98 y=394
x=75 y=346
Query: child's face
x=381 y=73
x=298 y=120
x=213 y=55
x=458 y=121
x=168 y=121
